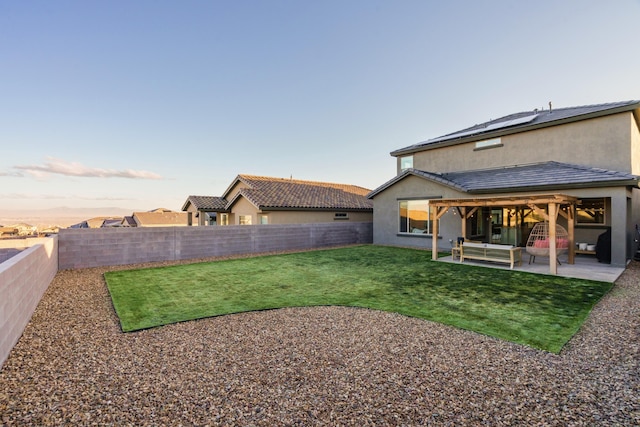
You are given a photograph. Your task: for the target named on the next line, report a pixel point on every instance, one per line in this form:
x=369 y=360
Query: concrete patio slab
x=585 y=267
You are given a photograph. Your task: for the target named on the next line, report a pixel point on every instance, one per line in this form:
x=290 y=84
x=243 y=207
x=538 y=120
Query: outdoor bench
x=491 y=252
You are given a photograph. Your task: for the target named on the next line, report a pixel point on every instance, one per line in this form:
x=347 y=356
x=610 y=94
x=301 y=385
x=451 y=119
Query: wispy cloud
x=62 y=167
x=14 y=174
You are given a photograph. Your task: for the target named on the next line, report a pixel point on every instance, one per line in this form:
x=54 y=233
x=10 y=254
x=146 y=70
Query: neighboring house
x=8 y=231
x=112 y=222
x=265 y=200
x=160 y=218
x=83 y=224
x=97 y=222
x=204 y=209
x=23 y=229
x=575 y=167
x=128 y=221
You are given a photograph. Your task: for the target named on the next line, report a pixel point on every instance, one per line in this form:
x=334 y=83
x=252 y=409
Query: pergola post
x=438 y=212
x=553 y=252
x=570 y=222
x=434 y=233
x=463 y=218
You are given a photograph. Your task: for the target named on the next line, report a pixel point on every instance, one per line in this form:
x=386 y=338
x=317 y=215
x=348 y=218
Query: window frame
x=403 y=159
x=340 y=216
x=245 y=220
x=486 y=144
x=429 y=226
x=591 y=224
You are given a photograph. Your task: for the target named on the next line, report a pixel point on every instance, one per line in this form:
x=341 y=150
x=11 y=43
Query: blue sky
x=138 y=104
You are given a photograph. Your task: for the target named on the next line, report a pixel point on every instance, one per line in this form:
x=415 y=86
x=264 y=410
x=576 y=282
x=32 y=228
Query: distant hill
x=61 y=216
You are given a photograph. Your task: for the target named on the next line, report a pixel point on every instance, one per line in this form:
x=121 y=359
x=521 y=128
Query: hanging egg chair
x=538 y=242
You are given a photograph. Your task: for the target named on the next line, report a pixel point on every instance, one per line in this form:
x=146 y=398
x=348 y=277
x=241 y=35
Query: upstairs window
x=488 y=143
x=406 y=162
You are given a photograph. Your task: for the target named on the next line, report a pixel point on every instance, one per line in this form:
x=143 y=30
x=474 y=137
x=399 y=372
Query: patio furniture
x=455 y=250
x=538 y=242
x=491 y=252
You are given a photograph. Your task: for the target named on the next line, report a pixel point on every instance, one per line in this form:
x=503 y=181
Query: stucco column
x=619 y=231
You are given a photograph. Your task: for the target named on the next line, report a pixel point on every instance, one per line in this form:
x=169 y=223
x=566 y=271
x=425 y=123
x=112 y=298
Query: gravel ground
x=312 y=366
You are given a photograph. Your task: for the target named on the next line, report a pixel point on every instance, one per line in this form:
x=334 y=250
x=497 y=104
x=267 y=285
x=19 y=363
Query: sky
x=139 y=104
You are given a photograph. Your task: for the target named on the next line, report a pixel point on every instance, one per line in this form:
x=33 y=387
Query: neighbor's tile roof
x=267 y=192
x=520 y=122
x=205 y=203
x=161 y=218
x=545 y=176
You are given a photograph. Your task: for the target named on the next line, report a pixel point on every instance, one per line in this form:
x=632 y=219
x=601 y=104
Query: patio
x=584 y=267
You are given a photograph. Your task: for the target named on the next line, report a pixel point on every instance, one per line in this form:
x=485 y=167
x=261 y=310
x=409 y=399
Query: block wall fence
x=25 y=277
x=23 y=280
x=83 y=248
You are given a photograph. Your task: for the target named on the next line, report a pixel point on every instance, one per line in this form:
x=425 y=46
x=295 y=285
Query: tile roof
x=539 y=175
x=206 y=203
x=549 y=176
x=160 y=218
x=520 y=122
x=282 y=193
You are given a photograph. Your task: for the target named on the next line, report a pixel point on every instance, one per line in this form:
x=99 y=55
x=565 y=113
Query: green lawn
x=541 y=311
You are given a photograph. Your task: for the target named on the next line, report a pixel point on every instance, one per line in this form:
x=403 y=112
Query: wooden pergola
x=554 y=203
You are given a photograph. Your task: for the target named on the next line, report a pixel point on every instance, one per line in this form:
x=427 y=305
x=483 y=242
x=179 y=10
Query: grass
x=540 y=311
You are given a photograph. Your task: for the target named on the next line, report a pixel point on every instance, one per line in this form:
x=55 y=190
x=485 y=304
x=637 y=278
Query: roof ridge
x=296 y=181
x=614 y=104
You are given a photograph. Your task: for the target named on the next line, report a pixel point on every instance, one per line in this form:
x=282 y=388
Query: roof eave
x=567 y=186
x=415 y=172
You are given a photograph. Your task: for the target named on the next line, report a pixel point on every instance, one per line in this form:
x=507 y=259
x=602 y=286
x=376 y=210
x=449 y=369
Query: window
x=224 y=219
x=590 y=211
x=415 y=217
x=210 y=219
x=406 y=162
x=264 y=219
x=489 y=143
x=341 y=215
x=245 y=219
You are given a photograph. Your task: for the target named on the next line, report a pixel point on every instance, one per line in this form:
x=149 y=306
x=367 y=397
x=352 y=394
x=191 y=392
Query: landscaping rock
x=312 y=366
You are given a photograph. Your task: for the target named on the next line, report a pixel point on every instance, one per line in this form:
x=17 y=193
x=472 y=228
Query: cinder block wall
x=23 y=280
x=82 y=248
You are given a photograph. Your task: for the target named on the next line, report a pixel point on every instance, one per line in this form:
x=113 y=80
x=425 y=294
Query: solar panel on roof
x=519 y=121
x=494 y=126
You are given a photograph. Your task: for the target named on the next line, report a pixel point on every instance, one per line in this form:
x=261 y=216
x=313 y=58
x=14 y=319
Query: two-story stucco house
x=576 y=167
x=253 y=200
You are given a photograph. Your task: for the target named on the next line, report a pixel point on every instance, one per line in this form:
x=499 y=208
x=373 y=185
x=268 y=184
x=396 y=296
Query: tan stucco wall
x=604 y=142
x=310 y=217
x=234 y=190
x=244 y=207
